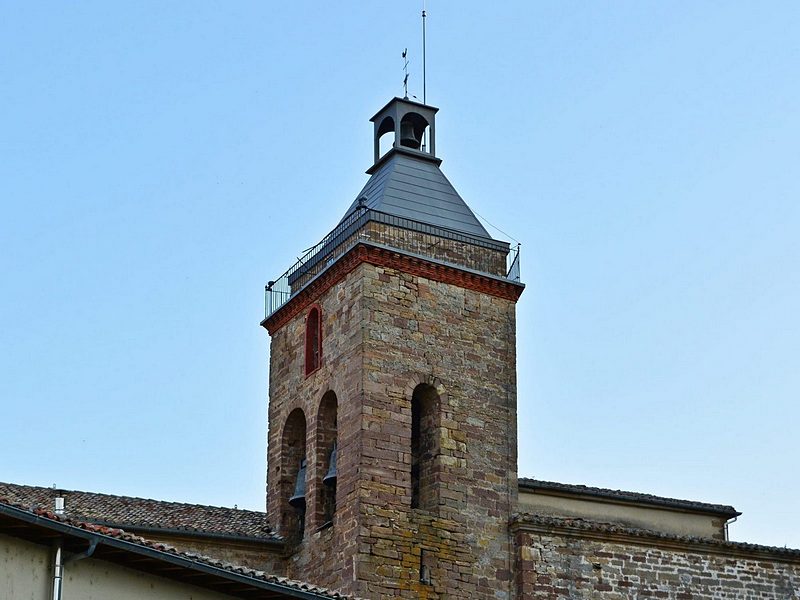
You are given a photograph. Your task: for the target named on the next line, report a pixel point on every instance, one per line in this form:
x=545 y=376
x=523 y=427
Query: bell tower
x=409 y=122
x=392 y=402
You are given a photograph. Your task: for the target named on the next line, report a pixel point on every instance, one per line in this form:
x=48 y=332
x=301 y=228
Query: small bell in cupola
x=408 y=135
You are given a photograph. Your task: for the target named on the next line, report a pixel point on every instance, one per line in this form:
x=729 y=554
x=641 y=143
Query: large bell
x=298 y=499
x=330 y=476
x=408 y=135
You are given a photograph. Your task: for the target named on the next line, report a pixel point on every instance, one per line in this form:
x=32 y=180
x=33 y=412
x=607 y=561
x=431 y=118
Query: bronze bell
x=330 y=476
x=298 y=499
x=408 y=135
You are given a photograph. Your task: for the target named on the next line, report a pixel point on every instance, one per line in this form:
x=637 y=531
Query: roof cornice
x=394 y=151
x=608 y=532
x=385 y=256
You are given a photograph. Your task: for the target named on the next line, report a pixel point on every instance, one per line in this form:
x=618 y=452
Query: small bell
x=408 y=135
x=298 y=499
x=330 y=476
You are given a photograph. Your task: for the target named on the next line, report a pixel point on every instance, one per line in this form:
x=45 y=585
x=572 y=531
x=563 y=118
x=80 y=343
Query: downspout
x=58 y=568
x=728 y=522
x=85 y=554
x=58 y=564
x=58 y=560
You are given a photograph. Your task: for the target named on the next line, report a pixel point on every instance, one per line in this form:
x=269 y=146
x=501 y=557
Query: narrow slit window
x=424 y=447
x=313 y=340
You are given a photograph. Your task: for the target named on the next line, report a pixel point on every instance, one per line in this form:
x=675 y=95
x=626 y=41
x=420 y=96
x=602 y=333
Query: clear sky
x=160 y=161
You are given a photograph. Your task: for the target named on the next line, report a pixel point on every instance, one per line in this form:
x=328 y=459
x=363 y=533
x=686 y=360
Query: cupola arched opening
x=425 y=446
x=385 y=136
x=292 y=475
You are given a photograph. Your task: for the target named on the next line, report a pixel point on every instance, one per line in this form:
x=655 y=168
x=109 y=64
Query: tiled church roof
x=691 y=505
x=141 y=513
x=249 y=579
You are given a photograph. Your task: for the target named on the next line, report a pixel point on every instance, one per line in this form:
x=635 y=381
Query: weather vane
x=405 y=70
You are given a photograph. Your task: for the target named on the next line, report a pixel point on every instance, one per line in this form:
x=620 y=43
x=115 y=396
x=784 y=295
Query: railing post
x=514 y=271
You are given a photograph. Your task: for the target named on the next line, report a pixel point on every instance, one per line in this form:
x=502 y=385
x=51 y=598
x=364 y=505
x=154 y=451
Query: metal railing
x=415 y=237
x=514 y=271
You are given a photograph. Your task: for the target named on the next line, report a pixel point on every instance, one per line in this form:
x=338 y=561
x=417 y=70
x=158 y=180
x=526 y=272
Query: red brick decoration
x=383 y=257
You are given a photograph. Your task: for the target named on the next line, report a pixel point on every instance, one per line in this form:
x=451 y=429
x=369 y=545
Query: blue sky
x=159 y=162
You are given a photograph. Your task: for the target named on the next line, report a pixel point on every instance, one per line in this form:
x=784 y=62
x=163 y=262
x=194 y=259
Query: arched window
x=425 y=404
x=313 y=339
x=327 y=449
x=292 y=479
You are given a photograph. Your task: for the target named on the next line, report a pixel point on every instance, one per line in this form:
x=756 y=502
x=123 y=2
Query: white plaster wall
x=98 y=580
x=656 y=519
x=24 y=570
x=26 y=574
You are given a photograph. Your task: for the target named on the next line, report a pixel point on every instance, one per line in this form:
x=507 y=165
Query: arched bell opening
x=425 y=446
x=293 y=476
x=326 y=456
x=384 y=137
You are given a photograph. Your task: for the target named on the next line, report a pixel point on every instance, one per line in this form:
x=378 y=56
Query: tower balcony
x=476 y=254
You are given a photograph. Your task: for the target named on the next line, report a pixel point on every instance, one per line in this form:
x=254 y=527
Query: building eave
x=269 y=544
x=154 y=558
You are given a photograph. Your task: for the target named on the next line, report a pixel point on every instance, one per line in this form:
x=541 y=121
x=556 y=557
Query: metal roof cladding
x=415 y=188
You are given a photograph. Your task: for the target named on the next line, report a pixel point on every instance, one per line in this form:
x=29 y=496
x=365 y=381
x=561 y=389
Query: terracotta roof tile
x=133 y=513
x=120 y=534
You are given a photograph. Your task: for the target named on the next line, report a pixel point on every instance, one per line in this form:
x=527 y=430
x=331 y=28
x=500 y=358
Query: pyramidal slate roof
x=413 y=188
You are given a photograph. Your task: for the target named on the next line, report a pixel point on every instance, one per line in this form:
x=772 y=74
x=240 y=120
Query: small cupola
x=414 y=128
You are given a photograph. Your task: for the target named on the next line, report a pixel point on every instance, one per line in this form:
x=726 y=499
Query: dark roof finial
x=405 y=71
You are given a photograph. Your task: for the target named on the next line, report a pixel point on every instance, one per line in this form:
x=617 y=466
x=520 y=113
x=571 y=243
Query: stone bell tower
x=392 y=408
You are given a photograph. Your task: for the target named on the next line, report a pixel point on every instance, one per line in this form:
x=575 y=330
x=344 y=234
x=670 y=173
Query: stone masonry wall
x=440 y=248
x=386 y=331
x=325 y=554
x=461 y=342
x=445 y=249
x=253 y=555
x=555 y=567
